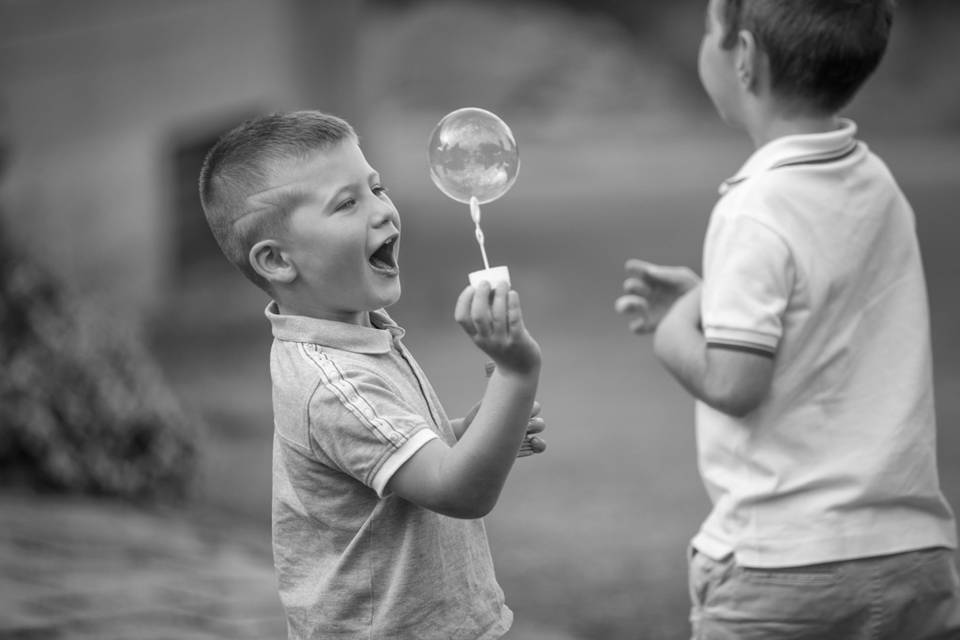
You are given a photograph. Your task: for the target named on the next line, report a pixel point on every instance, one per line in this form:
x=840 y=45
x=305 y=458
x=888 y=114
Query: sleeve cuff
x=399 y=457
x=741 y=340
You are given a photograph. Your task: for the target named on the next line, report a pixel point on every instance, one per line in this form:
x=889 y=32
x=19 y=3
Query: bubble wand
x=474 y=159
x=478 y=232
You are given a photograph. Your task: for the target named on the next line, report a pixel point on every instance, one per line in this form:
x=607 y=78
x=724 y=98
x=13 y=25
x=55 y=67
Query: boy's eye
x=379 y=189
x=346 y=204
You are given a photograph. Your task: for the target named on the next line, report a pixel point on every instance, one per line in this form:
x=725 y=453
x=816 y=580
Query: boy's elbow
x=467 y=510
x=469 y=505
x=453 y=506
x=470 y=513
x=455 y=493
x=735 y=406
x=736 y=384
x=733 y=401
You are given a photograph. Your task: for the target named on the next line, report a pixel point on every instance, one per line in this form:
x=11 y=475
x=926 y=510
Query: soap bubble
x=473 y=155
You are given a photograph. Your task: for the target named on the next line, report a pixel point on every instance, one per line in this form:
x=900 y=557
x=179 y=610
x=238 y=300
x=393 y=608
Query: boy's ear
x=748 y=61
x=269 y=260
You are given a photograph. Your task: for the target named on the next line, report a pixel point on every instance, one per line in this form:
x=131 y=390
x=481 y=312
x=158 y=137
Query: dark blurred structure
x=107 y=110
x=83 y=408
x=111 y=105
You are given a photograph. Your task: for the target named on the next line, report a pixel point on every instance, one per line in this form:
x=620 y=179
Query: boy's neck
x=765 y=128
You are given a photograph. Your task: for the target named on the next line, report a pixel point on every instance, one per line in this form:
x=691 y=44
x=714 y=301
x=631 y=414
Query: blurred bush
x=83 y=408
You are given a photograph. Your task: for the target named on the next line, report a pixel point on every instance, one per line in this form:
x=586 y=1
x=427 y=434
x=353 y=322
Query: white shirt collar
x=340 y=335
x=810 y=148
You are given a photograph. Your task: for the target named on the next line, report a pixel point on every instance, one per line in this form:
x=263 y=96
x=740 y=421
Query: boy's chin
x=393 y=296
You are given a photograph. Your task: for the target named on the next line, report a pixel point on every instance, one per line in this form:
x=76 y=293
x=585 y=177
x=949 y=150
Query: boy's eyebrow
x=373 y=176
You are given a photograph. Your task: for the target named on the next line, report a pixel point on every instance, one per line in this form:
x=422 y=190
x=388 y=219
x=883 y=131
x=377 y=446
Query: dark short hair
x=820 y=51
x=243 y=161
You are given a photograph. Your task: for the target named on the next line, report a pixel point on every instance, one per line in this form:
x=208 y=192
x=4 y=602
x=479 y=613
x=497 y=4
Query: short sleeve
x=748 y=277
x=362 y=426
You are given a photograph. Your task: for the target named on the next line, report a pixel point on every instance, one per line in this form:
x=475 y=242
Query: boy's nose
x=386 y=212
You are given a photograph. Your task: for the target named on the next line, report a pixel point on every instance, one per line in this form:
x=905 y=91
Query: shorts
x=905 y=596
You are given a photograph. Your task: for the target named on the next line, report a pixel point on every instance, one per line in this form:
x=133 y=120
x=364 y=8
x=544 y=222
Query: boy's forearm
x=476 y=468
x=682 y=349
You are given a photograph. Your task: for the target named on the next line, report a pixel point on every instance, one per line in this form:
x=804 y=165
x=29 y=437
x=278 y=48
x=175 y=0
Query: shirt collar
x=810 y=148
x=339 y=335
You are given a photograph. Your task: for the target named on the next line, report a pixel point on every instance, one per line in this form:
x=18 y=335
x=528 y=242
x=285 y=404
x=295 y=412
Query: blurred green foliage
x=83 y=408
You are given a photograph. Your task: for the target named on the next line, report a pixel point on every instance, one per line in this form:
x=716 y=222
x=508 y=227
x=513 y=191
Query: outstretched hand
x=650 y=290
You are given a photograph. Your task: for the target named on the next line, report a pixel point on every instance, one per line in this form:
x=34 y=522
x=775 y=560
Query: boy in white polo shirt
x=376 y=494
x=807 y=347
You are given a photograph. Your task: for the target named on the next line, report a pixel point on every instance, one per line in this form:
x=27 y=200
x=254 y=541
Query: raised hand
x=494 y=322
x=650 y=290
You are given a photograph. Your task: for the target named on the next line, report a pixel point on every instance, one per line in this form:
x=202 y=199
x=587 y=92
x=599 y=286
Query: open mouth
x=384 y=259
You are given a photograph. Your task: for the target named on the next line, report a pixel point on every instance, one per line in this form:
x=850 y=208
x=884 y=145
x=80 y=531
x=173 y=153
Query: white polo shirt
x=811 y=258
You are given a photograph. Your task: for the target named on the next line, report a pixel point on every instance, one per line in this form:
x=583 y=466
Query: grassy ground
x=589 y=538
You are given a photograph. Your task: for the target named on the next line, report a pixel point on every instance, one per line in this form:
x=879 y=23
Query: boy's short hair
x=243 y=161
x=820 y=51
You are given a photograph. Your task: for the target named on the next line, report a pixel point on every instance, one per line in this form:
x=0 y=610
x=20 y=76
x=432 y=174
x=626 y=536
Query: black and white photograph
x=479 y=319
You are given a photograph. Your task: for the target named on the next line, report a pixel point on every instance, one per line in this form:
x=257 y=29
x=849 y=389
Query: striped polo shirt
x=811 y=259
x=351 y=405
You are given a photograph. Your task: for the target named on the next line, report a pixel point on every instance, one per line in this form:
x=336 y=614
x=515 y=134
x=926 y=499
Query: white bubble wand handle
x=475 y=214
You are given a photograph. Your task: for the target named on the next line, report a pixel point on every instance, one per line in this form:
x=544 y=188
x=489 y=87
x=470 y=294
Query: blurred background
x=135 y=358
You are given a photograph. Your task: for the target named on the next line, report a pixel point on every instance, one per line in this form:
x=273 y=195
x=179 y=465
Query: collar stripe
x=847 y=151
x=823 y=159
x=799 y=149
